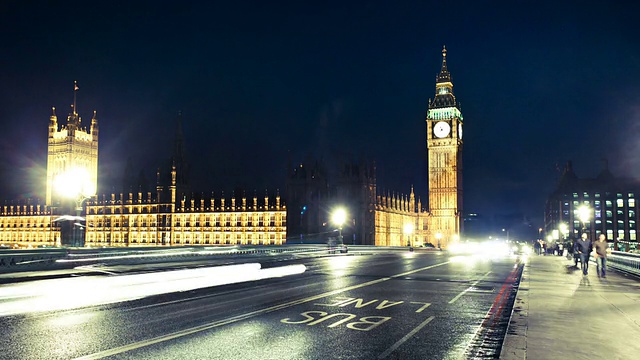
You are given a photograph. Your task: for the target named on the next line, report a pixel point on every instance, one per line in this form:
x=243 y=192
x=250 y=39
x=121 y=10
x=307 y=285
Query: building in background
x=444 y=144
x=314 y=194
x=392 y=219
x=72 y=156
x=601 y=205
x=170 y=215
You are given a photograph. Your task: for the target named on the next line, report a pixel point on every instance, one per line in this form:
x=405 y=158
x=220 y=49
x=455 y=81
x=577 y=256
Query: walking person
x=583 y=248
x=601 y=250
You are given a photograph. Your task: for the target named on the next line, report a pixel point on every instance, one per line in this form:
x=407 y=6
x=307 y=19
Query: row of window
x=586 y=195
x=21 y=224
x=37 y=237
x=165 y=238
x=212 y=242
x=240 y=224
x=155 y=209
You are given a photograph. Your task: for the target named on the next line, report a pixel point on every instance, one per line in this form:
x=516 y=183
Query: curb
x=514 y=345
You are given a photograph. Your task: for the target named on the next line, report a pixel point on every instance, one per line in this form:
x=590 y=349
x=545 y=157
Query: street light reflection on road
x=72 y=293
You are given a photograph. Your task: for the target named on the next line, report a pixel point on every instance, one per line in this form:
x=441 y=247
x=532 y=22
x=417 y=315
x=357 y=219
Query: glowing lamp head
x=564 y=229
x=73 y=183
x=584 y=213
x=408 y=229
x=339 y=216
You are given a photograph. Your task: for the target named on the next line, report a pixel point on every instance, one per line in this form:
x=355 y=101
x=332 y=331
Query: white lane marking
x=196 y=329
x=469 y=288
x=405 y=338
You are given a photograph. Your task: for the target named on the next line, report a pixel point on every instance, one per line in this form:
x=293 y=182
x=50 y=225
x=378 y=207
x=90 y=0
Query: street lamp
x=564 y=230
x=584 y=214
x=338 y=218
x=507 y=231
x=408 y=231
x=438 y=238
x=75 y=184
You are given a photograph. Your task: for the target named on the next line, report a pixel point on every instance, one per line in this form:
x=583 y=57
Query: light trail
x=77 y=292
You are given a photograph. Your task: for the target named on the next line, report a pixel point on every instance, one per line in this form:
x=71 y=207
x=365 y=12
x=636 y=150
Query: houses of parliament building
x=171 y=215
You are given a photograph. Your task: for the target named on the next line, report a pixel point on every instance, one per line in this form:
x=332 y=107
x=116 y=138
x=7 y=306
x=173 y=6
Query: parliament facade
x=171 y=215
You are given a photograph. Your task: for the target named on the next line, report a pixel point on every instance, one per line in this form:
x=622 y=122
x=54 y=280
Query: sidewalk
x=561 y=314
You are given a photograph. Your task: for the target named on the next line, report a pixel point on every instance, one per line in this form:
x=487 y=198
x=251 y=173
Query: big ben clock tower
x=444 y=146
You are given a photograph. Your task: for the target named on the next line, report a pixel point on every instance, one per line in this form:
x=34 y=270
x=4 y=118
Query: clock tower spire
x=444 y=146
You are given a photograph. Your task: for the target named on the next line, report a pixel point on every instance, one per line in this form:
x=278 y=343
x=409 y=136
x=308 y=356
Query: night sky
x=260 y=82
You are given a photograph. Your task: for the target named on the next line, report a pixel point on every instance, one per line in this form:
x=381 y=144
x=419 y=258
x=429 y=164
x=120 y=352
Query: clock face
x=460 y=131
x=441 y=129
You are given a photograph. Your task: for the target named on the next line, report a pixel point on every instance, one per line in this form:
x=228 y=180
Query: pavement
x=561 y=314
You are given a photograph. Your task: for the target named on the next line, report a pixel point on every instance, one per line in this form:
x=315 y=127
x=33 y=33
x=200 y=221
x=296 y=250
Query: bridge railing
x=58 y=258
x=33 y=259
x=627 y=262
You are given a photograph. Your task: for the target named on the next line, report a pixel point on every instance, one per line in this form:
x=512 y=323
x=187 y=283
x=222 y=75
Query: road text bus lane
x=345 y=322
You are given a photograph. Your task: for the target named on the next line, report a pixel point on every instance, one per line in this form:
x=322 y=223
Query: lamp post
x=438 y=238
x=507 y=231
x=338 y=218
x=584 y=214
x=554 y=241
x=564 y=230
x=408 y=231
x=76 y=185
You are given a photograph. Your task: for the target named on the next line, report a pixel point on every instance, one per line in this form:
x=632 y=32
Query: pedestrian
x=571 y=255
x=538 y=247
x=601 y=250
x=583 y=248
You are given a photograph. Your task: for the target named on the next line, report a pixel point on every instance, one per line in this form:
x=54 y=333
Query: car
x=521 y=248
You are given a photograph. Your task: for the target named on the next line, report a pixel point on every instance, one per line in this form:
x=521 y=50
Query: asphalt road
x=402 y=305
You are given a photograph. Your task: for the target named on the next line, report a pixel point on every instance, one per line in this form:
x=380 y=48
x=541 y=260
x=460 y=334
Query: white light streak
x=77 y=292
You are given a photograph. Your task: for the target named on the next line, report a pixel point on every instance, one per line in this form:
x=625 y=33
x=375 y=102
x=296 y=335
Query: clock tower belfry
x=444 y=146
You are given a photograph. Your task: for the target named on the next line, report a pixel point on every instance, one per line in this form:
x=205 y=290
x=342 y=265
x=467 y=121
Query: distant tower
x=72 y=152
x=172 y=182
x=444 y=145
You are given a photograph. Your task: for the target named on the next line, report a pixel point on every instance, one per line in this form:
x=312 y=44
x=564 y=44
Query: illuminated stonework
x=170 y=217
x=143 y=220
x=394 y=215
x=445 y=161
x=28 y=226
x=71 y=148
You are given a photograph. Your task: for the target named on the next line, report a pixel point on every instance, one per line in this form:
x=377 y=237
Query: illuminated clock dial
x=460 y=130
x=441 y=129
